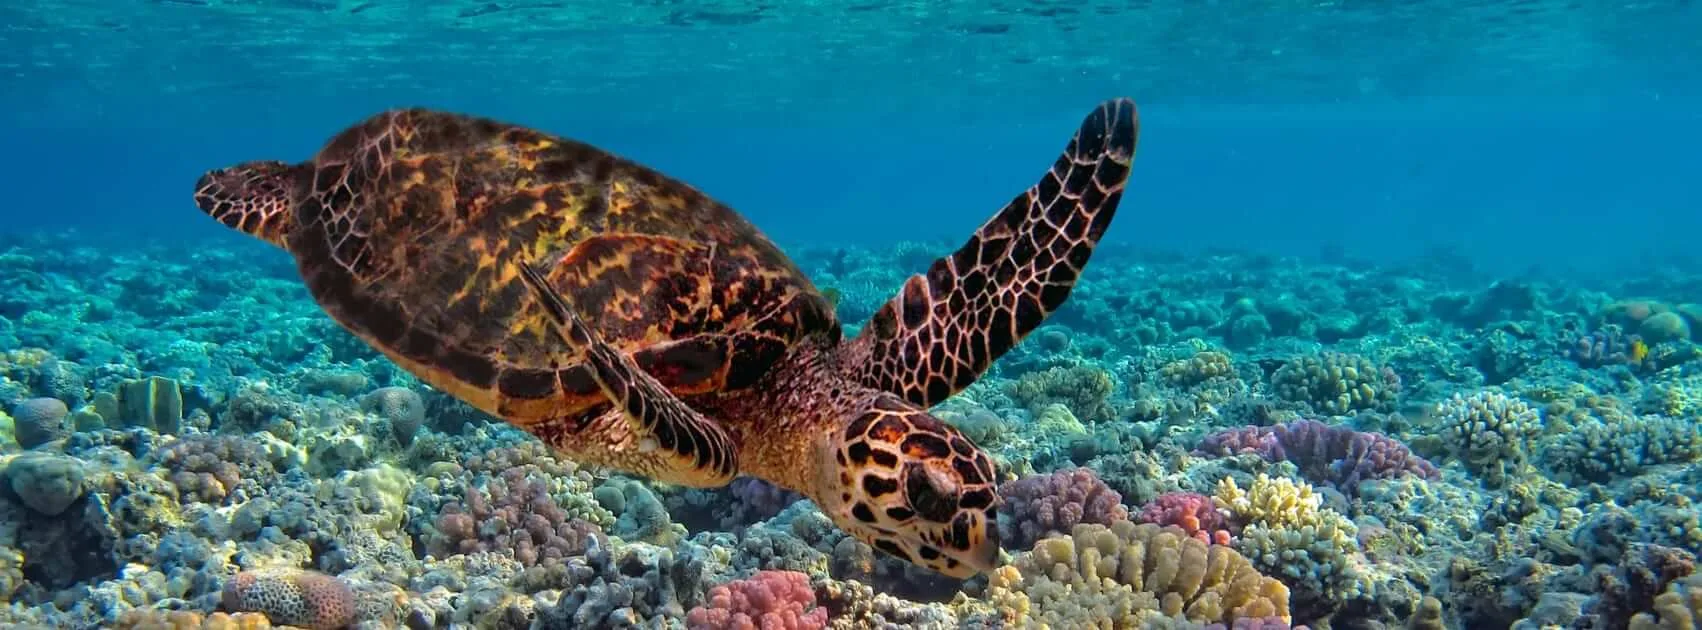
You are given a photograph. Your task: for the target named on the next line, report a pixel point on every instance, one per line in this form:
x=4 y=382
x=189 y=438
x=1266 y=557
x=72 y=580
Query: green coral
x=1085 y=389
x=1598 y=451
x=1198 y=369
x=1677 y=396
x=1208 y=377
x=1337 y=384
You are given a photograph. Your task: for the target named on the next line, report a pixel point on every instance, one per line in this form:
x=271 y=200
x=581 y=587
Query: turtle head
x=253 y=197
x=910 y=485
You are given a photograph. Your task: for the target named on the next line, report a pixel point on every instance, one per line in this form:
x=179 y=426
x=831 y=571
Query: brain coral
x=292 y=596
x=401 y=406
x=1132 y=576
x=37 y=421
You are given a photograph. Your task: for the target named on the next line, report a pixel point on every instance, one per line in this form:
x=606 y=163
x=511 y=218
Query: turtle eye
x=931 y=495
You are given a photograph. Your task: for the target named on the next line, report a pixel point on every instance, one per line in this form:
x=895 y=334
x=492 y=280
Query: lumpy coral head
x=769 y=600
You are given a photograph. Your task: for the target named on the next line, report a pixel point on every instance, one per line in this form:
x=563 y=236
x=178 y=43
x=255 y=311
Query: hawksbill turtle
x=630 y=321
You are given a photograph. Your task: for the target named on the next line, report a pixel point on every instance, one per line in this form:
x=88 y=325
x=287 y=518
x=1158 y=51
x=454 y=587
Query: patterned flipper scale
x=692 y=442
x=946 y=327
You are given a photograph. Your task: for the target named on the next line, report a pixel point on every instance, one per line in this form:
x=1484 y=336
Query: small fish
x=1639 y=351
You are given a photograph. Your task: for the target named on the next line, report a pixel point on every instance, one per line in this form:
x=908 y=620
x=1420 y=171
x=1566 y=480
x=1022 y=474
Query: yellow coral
x=1197 y=369
x=1056 y=420
x=1675 y=396
x=1131 y=576
x=151 y=619
x=1275 y=502
x=1289 y=534
x=386 y=487
x=1680 y=608
x=24 y=359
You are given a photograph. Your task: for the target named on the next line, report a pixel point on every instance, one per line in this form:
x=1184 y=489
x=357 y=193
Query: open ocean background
x=1554 y=135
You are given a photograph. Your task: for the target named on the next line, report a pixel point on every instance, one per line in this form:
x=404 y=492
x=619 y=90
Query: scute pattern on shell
x=414 y=221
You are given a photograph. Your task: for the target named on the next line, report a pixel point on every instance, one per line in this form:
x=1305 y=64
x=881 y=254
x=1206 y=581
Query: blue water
x=1529 y=134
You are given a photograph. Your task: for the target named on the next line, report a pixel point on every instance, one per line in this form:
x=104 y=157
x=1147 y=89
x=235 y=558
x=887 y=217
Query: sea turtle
x=630 y=321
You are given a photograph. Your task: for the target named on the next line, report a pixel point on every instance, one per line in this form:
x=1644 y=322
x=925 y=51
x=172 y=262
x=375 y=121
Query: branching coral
x=210 y=467
x=1286 y=533
x=1271 y=501
x=515 y=514
x=1680 y=608
x=1600 y=451
x=1490 y=432
x=1198 y=369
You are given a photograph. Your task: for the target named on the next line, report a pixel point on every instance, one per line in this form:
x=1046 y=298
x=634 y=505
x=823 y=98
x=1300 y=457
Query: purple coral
x=1608 y=346
x=760 y=498
x=209 y=468
x=1042 y=505
x=1336 y=455
x=515 y=514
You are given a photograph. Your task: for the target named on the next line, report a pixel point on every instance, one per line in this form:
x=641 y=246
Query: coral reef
x=1221 y=442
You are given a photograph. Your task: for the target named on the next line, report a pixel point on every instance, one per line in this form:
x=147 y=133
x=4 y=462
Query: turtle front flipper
x=688 y=449
x=945 y=328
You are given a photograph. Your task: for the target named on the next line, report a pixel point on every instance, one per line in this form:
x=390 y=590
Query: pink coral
x=769 y=600
x=1193 y=512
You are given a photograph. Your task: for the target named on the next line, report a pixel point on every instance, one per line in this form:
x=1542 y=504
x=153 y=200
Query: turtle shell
x=414 y=224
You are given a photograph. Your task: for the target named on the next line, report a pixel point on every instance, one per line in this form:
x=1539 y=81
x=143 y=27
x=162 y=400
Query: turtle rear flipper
x=946 y=327
x=689 y=449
